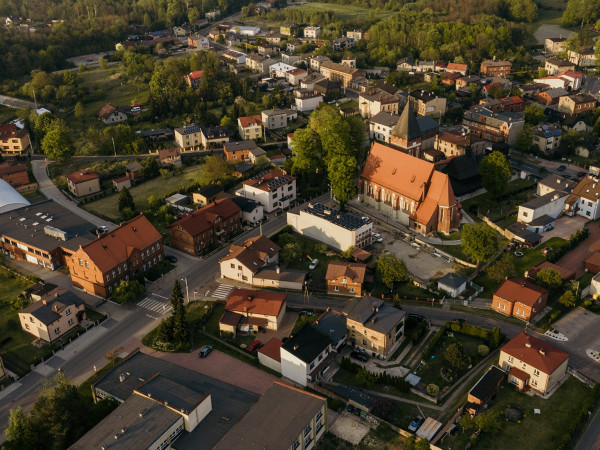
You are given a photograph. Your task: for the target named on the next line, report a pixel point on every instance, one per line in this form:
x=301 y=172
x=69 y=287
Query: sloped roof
x=374 y=314
x=272 y=349
x=452 y=280
x=247 y=121
x=520 y=290
x=48 y=310
x=407 y=126
x=106 y=111
x=204 y=218
x=114 y=247
x=535 y=352
x=307 y=343
x=82 y=176
x=565 y=273
x=10 y=199
x=252 y=252
x=12 y=167
x=353 y=271
x=265 y=303
x=196 y=74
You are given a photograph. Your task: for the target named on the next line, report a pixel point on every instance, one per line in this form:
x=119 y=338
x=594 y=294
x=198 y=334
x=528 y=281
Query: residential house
x=214 y=136
x=591 y=86
x=181 y=31
x=512 y=104
x=243 y=151
x=450 y=78
x=494 y=127
x=292 y=46
x=519 y=298
x=43 y=234
x=493 y=68
x=326 y=88
x=193 y=78
x=273 y=38
x=315 y=62
x=546 y=138
x=134 y=170
x=274 y=119
x=381 y=126
x=207 y=227
x=213 y=15
x=250 y=127
x=294 y=76
x=345 y=278
x=565 y=274
x=83 y=183
x=583 y=58
x=306 y=100
x=337 y=229
x=584 y=199
x=453 y=144
x=576 y=104
x=252 y=212
x=249 y=311
x=13 y=142
x=405 y=65
x=289 y=29
x=188 y=137
x=428 y=104
x=305 y=355
x=267 y=50
x=273 y=189
x=312 y=32
x=234 y=57
x=122 y=254
x=333 y=324
x=52 y=317
x=484 y=390
x=207 y=194
x=169 y=157
x=342 y=43
x=555 y=65
x=530 y=91
x=554 y=183
x=551 y=96
x=269 y=355
x=592 y=263
x=284 y=417
x=457 y=68
x=338 y=72
x=425 y=66
x=375 y=101
x=555 y=45
x=290 y=58
x=120 y=183
x=540 y=213
x=533 y=363
x=244 y=261
x=409 y=190
x=110 y=114
x=573 y=79
x=14 y=174
x=466 y=82
x=453 y=284
x=259 y=63
x=374 y=325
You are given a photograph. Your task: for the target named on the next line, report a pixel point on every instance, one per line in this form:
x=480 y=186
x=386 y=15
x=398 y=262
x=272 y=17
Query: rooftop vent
x=528 y=345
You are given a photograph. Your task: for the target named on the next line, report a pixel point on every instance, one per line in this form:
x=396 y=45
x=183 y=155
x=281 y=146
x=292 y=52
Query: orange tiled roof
x=115 y=246
x=247 y=121
x=204 y=218
x=272 y=349
x=265 y=303
x=456 y=66
x=84 y=175
x=354 y=271
x=196 y=74
x=520 y=290
x=535 y=352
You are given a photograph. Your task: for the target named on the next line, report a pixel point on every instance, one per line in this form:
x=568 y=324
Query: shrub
x=483 y=350
x=587 y=303
x=433 y=390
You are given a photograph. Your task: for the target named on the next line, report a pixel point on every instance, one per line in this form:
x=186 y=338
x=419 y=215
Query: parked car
x=415 y=424
x=561 y=168
x=360 y=356
x=204 y=351
x=377 y=237
x=350 y=408
x=171 y=259
x=365 y=219
x=254 y=346
x=357 y=411
x=313 y=264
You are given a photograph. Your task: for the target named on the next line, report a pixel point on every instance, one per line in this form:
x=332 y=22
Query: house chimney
x=373 y=320
x=542 y=352
x=249 y=298
x=277 y=269
x=528 y=345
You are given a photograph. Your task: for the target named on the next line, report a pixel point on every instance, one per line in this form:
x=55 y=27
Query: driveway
x=565 y=227
x=575 y=258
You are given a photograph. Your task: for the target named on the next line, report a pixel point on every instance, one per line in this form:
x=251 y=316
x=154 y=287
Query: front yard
x=518 y=192
x=534 y=431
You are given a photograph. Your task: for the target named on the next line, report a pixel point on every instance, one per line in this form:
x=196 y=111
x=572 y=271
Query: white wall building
x=273 y=189
x=305 y=355
x=280 y=69
x=312 y=32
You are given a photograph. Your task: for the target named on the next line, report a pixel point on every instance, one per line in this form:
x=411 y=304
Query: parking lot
x=419 y=263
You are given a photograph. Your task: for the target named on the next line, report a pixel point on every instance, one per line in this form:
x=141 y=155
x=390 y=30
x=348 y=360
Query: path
x=575 y=258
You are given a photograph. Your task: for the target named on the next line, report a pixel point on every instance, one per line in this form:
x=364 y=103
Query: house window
x=534 y=382
x=312 y=365
x=68 y=312
x=239 y=267
x=56 y=330
x=364 y=342
x=524 y=214
x=351 y=290
x=27 y=326
x=336 y=288
x=31 y=320
x=524 y=366
x=232 y=266
x=113 y=274
x=70 y=321
x=536 y=372
x=510 y=359
x=87 y=264
x=80 y=262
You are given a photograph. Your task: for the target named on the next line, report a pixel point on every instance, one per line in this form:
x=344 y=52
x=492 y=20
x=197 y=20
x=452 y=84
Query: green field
x=108 y=206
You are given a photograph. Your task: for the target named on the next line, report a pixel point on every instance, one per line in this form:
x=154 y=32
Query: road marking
x=152 y=317
x=155 y=306
x=161 y=296
x=222 y=291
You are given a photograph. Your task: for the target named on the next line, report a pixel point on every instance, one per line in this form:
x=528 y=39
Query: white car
x=313 y=264
x=377 y=237
x=102 y=229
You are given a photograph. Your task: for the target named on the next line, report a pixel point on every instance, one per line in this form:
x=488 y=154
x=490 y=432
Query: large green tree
x=391 y=269
x=479 y=241
x=524 y=139
x=455 y=355
x=549 y=278
x=534 y=114
x=57 y=143
x=180 y=326
x=342 y=170
x=126 y=200
x=495 y=173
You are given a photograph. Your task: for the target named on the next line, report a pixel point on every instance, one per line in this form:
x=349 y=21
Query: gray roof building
x=333 y=324
x=374 y=314
x=407 y=127
x=452 y=280
x=307 y=344
x=385 y=118
x=46 y=311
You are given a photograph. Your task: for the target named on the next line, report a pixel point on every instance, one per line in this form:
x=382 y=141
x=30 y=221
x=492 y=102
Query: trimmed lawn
x=108 y=206
x=536 y=431
x=15 y=345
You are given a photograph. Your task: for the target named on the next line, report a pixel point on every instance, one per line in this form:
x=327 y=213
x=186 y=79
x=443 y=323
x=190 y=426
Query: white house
x=312 y=32
x=252 y=211
x=279 y=70
x=337 y=229
x=244 y=261
x=540 y=213
x=453 y=284
x=584 y=199
x=273 y=189
x=306 y=355
x=306 y=100
x=381 y=126
x=246 y=30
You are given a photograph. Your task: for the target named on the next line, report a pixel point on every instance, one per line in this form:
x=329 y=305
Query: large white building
x=9 y=198
x=584 y=199
x=337 y=229
x=273 y=189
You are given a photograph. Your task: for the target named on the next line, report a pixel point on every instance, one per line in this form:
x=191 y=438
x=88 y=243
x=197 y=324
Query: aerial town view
x=298 y=225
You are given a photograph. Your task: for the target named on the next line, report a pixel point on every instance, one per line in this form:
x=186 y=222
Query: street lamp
x=187 y=291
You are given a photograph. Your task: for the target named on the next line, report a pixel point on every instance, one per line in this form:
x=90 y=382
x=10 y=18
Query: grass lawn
x=488 y=313
x=494 y=209
x=15 y=345
x=536 y=431
x=92 y=314
x=454 y=236
x=108 y=206
x=585 y=280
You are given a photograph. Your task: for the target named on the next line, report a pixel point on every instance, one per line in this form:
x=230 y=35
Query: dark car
x=350 y=408
x=360 y=356
x=171 y=259
x=204 y=351
x=357 y=411
x=254 y=346
x=415 y=424
x=561 y=168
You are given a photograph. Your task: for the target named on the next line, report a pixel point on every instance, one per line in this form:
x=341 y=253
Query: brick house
x=519 y=298
x=84 y=183
x=53 y=316
x=193 y=78
x=576 y=104
x=345 y=278
x=14 y=174
x=492 y=68
x=242 y=151
x=206 y=227
x=551 y=96
x=532 y=363
x=119 y=255
x=339 y=72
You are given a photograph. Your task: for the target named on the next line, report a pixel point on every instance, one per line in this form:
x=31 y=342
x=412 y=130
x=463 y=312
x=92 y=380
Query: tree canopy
x=495 y=173
x=479 y=241
x=57 y=143
x=549 y=278
x=391 y=269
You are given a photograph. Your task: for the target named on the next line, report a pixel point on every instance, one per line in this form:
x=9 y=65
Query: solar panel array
x=191 y=129
x=274 y=184
x=340 y=218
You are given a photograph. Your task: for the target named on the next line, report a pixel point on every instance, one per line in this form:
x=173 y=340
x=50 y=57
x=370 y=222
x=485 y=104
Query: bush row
x=574 y=241
x=493 y=337
x=381 y=378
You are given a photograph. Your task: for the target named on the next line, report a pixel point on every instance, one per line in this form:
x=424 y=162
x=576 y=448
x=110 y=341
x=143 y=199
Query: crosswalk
x=156 y=306
x=222 y=291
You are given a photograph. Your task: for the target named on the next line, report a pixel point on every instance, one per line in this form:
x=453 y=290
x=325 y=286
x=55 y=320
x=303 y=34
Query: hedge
x=432 y=343
x=574 y=241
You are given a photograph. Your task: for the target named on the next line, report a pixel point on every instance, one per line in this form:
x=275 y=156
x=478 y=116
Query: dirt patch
x=350 y=428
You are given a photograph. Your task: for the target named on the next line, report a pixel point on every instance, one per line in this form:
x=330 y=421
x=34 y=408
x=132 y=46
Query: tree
x=483 y=350
x=534 y=114
x=549 y=278
x=487 y=422
x=342 y=170
x=307 y=152
x=112 y=355
x=479 y=241
x=567 y=299
x=433 y=390
x=523 y=10
x=180 y=332
x=57 y=143
x=422 y=444
x=503 y=268
x=524 y=140
x=78 y=111
x=128 y=291
x=290 y=252
x=495 y=337
x=496 y=91
x=391 y=269
x=495 y=173
x=126 y=200
x=151 y=169
x=364 y=378
x=216 y=167
x=18 y=432
x=455 y=355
